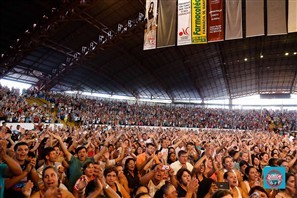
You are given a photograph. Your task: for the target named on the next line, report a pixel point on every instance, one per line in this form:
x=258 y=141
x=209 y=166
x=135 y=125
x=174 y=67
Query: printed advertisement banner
x=215 y=20
x=254 y=18
x=292 y=16
x=184 y=22
x=233 y=19
x=166 y=23
x=150 y=30
x=276 y=17
x=199 y=23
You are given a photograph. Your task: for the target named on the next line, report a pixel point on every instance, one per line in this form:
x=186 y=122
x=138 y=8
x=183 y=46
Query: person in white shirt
x=182 y=162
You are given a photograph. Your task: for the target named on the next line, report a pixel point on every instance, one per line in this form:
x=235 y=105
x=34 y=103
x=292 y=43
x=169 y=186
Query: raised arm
x=140 y=165
x=122 y=154
x=13 y=168
x=180 y=141
x=148 y=164
x=101 y=181
x=144 y=180
x=200 y=161
x=63 y=147
x=14 y=180
x=103 y=150
x=8 y=138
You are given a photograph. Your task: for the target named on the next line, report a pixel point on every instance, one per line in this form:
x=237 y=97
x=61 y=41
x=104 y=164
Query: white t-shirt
x=153 y=189
x=177 y=165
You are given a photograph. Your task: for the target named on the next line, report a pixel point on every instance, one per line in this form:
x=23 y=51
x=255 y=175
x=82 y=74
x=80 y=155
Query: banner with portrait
x=215 y=20
x=166 y=32
x=254 y=18
x=150 y=30
x=184 y=22
x=199 y=22
x=233 y=12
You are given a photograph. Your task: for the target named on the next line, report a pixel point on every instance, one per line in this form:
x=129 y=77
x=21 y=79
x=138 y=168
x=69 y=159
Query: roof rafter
x=98 y=70
x=188 y=65
x=224 y=69
x=150 y=71
x=48 y=84
x=25 y=44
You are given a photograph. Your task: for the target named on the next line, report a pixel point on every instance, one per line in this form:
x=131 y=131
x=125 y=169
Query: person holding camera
x=154 y=179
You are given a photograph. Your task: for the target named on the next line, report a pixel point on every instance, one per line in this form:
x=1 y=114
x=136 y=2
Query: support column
x=230 y=103
x=202 y=103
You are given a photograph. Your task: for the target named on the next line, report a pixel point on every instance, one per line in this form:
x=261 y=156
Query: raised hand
x=82 y=183
x=98 y=171
x=208 y=151
x=170 y=171
x=55 y=136
x=28 y=168
x=185 y=136
x=193 y=185
x=7 y=136
x=27 y=189
x=109 y=138
x=152 y=135
x=33 y=162
x=106 y=155
x=99 y=185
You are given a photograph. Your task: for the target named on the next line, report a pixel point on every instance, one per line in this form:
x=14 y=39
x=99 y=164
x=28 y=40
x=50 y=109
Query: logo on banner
x=152 y=41
x=184 y=31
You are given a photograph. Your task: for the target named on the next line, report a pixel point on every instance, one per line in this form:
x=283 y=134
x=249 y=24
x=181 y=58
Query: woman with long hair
x=251 y=179
x=256 y=163
x=131 y=173
x=150 y=16
x=111 y=177
x=183 y=177
x=171 y=158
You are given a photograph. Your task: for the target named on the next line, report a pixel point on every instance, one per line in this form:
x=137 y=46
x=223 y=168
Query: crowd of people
x=122 y=156
x=15 y=108
x=91 y=111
